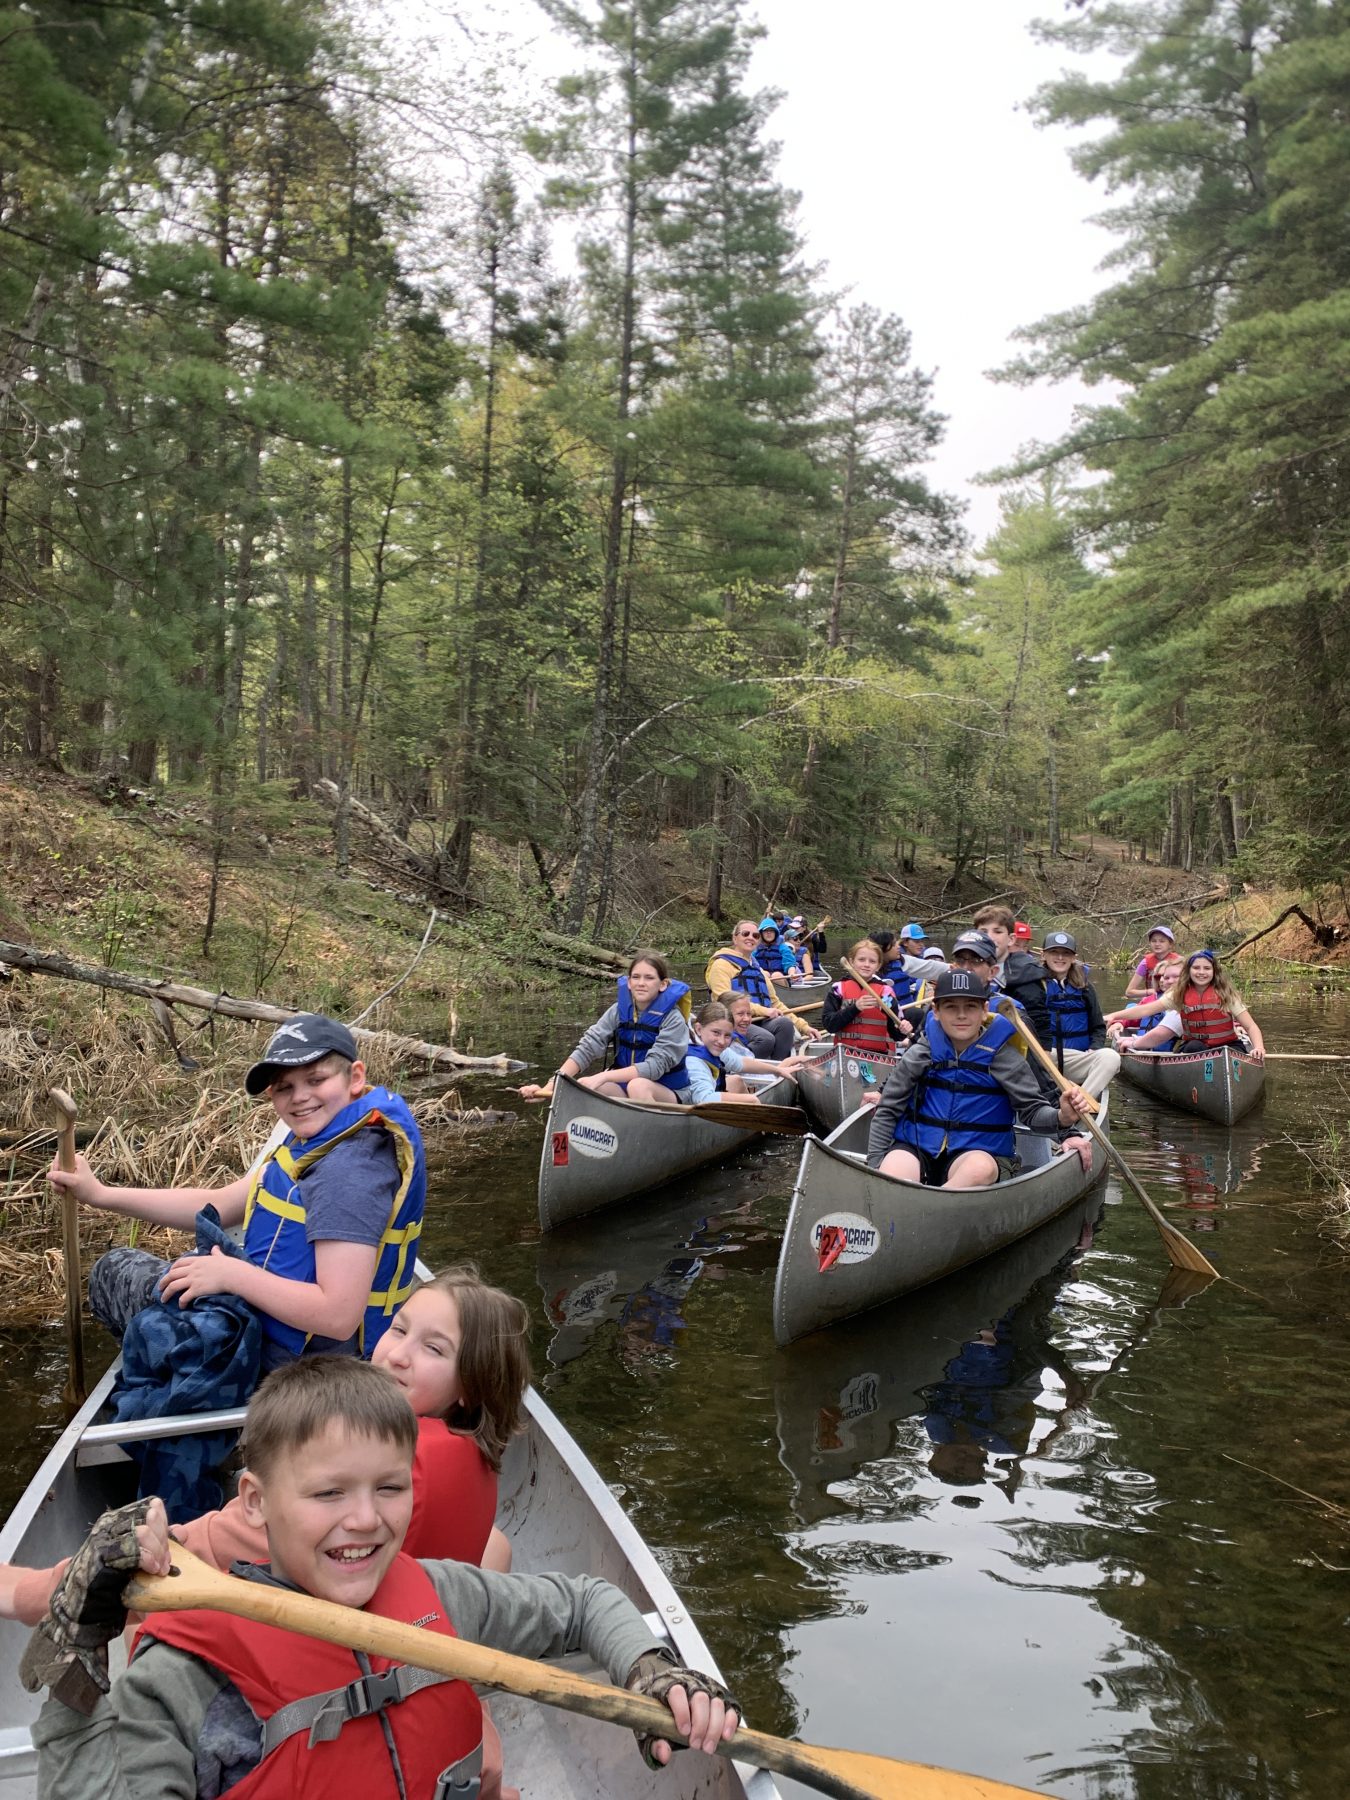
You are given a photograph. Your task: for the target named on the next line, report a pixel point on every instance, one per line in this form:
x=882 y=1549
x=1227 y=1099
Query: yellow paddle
x=1181 y=1252
x=851 y=1774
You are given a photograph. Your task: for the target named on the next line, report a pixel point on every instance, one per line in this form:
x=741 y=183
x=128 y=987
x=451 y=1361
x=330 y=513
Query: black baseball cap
x=305 y=1039
x=1060 y=940
x=960 y=984
x=977 y=942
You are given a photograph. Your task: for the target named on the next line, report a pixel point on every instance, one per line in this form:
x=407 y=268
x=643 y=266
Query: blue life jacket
x=274 y=1216
x=749 y=978
x=905 y=987
x=777 y=958
x=700 y=1053
x=1069 y=1015
x=637 y=1032
x=957 y=1103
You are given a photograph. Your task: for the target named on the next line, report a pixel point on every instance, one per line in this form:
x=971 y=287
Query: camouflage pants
x=122 y=1283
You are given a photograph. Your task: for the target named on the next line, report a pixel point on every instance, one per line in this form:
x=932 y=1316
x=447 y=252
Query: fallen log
x=230 y=1006
x=578 y=947
x=1324 y=936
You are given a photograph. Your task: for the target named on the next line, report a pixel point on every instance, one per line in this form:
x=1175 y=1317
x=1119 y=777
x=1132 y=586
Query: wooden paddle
x=740 y=1115
x=849 y=1773
x=749 y=1115
x=75 y=1388
x=1181 y=1252
x=885 y=1005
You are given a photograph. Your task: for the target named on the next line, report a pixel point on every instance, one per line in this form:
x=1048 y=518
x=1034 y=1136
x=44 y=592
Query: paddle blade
x=855 y=1775
x=749 y=1115
x=1183 y=1254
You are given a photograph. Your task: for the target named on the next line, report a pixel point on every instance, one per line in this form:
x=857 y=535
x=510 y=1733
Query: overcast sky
x=925 y=187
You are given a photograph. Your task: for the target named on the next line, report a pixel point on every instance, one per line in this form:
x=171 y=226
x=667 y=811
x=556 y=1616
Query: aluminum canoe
x=840 y=1396
x=599 y=1151
x=1221 y=1086
x=558 y=1514
x=899 y=1235
x=833 y=1082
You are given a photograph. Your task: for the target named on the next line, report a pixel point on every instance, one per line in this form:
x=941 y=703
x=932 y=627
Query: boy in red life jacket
x=210 y=1703
x=331 y=1219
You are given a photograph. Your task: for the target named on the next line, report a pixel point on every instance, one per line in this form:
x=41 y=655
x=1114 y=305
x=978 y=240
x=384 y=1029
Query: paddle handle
x=195 y=1584
x=75 y=1388
x=885 y=1005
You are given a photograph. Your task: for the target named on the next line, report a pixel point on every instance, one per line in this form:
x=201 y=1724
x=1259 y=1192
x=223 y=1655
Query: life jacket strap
x=324 y=1715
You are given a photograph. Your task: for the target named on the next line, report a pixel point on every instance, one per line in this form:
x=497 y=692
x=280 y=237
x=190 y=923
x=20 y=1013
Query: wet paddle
x=885 y=1005
x=848 y=1773
x=70 y=1251
x=749 y=1115
x=740 y=1115
x=1181 y=1252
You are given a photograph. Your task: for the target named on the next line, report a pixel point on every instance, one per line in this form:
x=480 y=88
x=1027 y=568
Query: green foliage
x=1223 y=508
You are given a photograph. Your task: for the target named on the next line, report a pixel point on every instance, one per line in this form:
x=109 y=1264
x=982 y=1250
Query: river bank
x=120 y=881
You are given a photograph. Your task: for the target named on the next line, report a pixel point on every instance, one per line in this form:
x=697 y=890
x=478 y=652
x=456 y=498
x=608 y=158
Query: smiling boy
x=331 y=1219
x=211 y=1703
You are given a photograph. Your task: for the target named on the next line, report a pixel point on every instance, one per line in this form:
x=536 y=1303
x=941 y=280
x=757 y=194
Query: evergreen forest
x=377 y=419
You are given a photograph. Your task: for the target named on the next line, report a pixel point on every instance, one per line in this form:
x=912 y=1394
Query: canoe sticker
x=590 y=1137
x=844 y=1238
x=858 y=1400
x=1209 y=1071
x=852 y=1067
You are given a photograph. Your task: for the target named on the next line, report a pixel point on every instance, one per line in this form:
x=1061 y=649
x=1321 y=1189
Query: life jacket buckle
x=462 y=1780
x=369 y=1694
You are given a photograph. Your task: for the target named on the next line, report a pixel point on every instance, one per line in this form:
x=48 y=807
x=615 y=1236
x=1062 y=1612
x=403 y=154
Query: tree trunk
x=578 y=897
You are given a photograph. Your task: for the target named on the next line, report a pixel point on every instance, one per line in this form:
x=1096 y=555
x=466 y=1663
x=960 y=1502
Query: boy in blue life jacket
x=331 y=1218
x=210 y=1703
x=947 y=1112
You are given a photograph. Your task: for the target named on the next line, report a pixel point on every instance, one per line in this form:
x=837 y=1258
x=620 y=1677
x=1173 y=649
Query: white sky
x=925 y=188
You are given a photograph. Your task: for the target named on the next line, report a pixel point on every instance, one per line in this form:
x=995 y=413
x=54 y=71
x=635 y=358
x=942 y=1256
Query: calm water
x=1001 y=1527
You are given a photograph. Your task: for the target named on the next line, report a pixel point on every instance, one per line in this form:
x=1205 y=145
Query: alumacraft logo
x=857 y=1238
x=591 y=1137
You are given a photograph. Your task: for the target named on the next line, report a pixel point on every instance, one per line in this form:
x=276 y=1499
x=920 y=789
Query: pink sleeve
x=223 y=1537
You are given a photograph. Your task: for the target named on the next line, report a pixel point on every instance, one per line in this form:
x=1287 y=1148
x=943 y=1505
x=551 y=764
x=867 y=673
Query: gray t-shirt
x=349 y=1193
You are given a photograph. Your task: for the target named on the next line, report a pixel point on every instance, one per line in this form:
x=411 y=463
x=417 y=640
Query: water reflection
x=967 y=1356
x=634 y=1267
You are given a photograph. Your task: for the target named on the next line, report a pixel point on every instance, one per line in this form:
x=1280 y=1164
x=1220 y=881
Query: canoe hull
x=832 y=1085
x=899 y=1235
x=1223 y=1086
x=598 y=1151
x=558 y=1514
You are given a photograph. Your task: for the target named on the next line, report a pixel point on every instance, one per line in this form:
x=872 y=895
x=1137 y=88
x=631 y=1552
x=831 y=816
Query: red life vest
x=1204 y=1016
x=432 y=1729
x=454 y=1495
x=867 y=1035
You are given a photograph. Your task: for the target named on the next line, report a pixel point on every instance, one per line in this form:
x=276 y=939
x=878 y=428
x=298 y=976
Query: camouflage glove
x=655 y=1675
x=68 y=1652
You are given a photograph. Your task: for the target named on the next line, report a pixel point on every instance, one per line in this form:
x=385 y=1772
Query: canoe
x=599 y=1151
x=807 y=982
x=839 y=1398
x=557 y=1512
x=899 y=1235
x=833 y=1083
x=1221 y=1086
